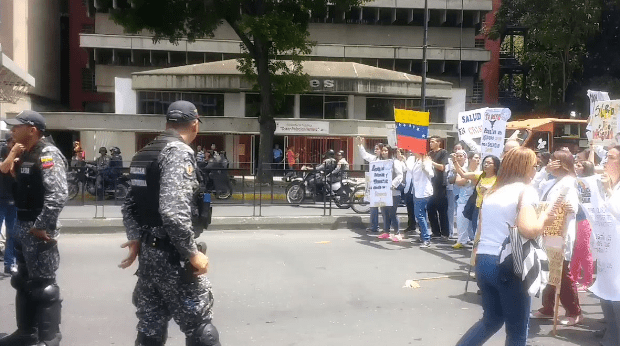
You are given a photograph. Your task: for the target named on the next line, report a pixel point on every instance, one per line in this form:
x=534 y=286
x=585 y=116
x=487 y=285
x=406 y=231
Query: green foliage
x=555 y=44
x=268 y=29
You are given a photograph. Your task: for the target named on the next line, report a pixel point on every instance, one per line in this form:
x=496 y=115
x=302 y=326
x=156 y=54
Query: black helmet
x=330 y=153
x=103 y=150
x=341 y=152
x=115 y=151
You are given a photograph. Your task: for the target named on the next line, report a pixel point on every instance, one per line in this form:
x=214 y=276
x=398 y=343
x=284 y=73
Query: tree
x=555 y=45
x=268 y=29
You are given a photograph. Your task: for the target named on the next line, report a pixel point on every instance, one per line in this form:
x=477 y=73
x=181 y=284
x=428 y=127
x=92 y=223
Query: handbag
x=529 y=259
x=470 y=205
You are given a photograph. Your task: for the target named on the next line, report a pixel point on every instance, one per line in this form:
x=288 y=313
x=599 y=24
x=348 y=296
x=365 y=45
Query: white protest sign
x=596 y=96
x=604 y=122
x=469 y=124
x=606 y=238
x=380 y=182
x=494 y=131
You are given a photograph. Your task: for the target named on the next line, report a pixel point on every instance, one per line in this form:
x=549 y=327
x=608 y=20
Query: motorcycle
x=85 y=179
x=313 y=184
x=216 y=179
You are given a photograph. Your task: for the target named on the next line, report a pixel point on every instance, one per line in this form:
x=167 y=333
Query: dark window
x=284 y=109
x=335 y=107
x=311 y=106
x=157 y=102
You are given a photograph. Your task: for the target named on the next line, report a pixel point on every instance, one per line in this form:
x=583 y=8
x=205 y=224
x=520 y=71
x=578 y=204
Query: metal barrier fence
x=236 y=187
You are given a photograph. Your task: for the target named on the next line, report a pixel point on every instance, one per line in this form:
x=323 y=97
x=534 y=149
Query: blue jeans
x=504 y=300
x=451 y=210
x=419 y=208
x=389 y=216
x=374 y=219
x=8 y=214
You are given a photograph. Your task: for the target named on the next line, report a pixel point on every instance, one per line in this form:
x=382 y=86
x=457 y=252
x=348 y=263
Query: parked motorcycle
x=313 y=184
x=216 y=179
x=85 y=179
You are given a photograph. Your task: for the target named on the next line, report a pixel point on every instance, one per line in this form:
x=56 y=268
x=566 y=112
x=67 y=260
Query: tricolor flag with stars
x=411 y=130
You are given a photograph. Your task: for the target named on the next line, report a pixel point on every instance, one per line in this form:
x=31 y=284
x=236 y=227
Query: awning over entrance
x=325 y=77
x=14 y=82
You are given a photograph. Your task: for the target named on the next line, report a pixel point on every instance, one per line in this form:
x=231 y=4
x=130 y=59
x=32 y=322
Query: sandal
x=571 y=321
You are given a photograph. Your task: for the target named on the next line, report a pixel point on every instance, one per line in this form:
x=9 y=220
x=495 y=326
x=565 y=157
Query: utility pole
x=424 y=61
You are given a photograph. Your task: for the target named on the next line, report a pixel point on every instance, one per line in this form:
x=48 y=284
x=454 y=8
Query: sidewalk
x=108 y=219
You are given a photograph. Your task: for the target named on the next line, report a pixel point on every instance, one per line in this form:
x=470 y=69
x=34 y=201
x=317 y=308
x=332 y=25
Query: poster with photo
x=604 y=122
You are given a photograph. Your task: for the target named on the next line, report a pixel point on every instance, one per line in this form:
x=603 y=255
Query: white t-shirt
x=499 y=209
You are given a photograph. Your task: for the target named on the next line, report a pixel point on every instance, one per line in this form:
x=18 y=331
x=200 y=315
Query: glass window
x=335 y=107
x=311 y=106
x=283 y=110
x=157 y=102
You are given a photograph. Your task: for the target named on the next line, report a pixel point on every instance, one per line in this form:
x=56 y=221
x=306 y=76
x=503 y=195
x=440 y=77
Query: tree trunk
x=266 y=121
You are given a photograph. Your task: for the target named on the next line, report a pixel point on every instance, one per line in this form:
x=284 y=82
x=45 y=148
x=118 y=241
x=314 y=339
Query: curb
x=232 y=223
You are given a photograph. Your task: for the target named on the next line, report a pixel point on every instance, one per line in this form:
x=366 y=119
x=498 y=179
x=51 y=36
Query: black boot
x=26 y=333
x=48 y=320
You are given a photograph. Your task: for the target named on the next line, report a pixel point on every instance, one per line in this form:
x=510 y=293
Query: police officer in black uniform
x=328 y=165
x=164 y=213
x=40 y=194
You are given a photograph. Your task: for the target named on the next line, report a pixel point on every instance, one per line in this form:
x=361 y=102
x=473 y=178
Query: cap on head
x=28 y=117
x=181 y=111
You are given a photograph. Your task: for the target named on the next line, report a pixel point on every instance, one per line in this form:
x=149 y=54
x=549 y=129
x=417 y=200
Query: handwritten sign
x=494 y=131
x=604 y=122
x=380 y=183
x=556 y=264
x=469 y=124
x=605 y=231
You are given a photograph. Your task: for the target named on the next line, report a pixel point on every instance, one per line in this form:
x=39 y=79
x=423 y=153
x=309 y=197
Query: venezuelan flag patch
x=47 y=162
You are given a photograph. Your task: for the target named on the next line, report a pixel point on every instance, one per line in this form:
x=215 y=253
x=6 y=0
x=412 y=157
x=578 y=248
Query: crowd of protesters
x=438 y=188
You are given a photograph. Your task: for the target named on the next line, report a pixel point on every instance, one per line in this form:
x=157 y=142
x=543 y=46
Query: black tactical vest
x=145 y=174
x=29 y=191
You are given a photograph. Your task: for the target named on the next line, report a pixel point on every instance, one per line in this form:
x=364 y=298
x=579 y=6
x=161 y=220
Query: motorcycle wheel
x=73 y=189
x=295 y=193
x=358 y=204
x=343 y=197
x=90 y=188
x=121 y=191
x=224 y=193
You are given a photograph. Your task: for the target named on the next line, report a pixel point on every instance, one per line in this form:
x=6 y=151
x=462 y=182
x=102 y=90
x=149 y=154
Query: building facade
x=31 y=44
x=382 y=33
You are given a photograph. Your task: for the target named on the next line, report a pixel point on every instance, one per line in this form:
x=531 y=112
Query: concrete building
x=345 y=100
x=382 y=33
x=31 y=41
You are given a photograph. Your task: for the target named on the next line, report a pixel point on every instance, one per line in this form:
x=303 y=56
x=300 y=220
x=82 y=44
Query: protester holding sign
x=368 y=157
x=422 y=172
x=465 y=226
x=561 y=167
x=389 y=211
x=603 y=212
x=505 y=298
x=483 y=181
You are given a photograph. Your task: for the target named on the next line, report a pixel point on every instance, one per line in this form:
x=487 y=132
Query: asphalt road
x=334 y=287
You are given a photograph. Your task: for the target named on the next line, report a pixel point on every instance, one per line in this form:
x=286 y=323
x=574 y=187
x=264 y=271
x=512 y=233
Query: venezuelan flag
x=411 y=130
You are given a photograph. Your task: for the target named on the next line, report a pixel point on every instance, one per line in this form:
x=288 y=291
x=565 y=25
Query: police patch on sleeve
x=47 y=162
